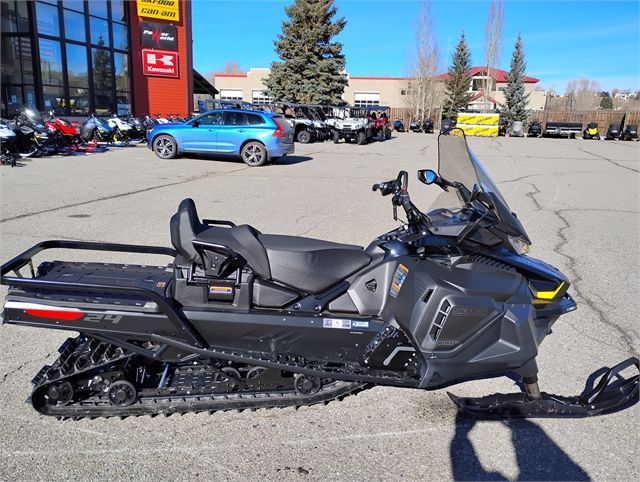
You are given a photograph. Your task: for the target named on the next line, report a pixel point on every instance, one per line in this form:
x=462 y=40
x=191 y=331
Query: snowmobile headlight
x=519 y=245
x=546 y=293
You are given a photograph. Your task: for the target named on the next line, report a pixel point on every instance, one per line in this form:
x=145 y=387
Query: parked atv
x=629 y=133
x=535 y=129
x=356 y=128
x=244 y=320
x=591 y=132
x=613 y=132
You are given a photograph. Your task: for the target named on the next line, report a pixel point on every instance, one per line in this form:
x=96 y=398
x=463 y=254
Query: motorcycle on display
x=244 y=320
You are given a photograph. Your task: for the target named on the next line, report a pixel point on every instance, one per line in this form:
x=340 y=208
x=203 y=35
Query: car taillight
x=279 y=132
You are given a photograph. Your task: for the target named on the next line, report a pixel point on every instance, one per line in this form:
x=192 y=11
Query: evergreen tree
x=515 y=105
x=606 y=102
x=101 y=68
x=458 y=82
x=312 y=65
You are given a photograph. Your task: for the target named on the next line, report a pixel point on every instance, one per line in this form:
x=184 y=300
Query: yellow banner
x=162 y=9
x=482 y=119
x=479 y=130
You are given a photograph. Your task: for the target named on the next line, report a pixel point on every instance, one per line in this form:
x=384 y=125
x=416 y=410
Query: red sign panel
x=160 y=63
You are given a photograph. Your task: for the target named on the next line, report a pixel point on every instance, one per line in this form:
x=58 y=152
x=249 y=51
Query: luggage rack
x=165 y=305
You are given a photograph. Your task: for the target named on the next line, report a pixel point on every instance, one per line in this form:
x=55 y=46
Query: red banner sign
x=160 y=63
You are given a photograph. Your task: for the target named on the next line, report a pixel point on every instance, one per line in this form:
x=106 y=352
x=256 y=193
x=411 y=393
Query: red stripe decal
x=60 y=315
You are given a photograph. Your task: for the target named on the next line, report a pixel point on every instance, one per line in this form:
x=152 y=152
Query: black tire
x=304 y=137
x=362 y=138
x=165 y=147
x=335 y=136
x=387 y=134
x=254 y=154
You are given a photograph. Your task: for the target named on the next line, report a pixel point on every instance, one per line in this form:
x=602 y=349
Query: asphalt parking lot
x=577 y=199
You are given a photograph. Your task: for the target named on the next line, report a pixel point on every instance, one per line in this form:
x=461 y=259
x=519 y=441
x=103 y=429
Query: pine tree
x=101 y=68
x=312 y=65
x=606 y=102
x=515 y=105
x=458 y=82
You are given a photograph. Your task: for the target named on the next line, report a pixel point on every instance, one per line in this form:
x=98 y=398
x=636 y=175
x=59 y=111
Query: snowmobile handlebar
x=399 y=188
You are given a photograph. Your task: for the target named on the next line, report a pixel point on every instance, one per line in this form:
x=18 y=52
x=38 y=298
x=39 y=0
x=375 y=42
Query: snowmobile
x=591 y=132
x=427 y=126
x=613 y=132
x=398 y=125
x=244 y=320
x=415 y=125
x=8 y=145
x=629 y=133
x=535 y=129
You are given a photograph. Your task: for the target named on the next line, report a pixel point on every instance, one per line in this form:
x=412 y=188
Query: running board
x=606 y=396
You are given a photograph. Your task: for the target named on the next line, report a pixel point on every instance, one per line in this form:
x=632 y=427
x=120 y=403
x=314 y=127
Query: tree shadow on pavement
x=538 y=457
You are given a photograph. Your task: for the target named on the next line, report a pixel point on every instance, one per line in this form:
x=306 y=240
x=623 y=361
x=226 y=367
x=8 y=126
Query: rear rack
x=166 y=306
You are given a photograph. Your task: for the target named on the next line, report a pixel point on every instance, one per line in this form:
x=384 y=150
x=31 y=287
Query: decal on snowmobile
x=336 y=323
x=398 y=280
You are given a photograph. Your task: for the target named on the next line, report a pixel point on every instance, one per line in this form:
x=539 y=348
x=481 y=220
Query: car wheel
x=304 y=137
x=254 y=154
x=362 y=138
x=165 y=147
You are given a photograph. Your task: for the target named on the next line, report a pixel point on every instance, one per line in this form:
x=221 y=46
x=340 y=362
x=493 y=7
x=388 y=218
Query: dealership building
x=77 y=57
x=394 y=92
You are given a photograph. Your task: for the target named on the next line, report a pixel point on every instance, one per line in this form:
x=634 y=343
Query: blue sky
x=563 y=40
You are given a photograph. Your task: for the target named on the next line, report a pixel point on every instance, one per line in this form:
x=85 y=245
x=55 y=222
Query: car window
x=255 y=119
x=212 y=119
x=235 y=119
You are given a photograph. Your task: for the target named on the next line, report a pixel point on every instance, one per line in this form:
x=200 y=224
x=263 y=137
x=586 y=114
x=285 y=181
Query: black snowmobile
x=245 y=320
x=535 y=129
x=613 y=132
x=629 y=133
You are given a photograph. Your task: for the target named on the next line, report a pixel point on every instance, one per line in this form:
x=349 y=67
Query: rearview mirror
x=427 y=176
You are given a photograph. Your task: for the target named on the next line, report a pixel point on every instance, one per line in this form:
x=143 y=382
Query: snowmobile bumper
x=612 y=393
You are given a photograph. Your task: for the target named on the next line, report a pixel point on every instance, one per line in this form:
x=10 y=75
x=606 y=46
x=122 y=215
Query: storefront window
x=78 y=101
x=98 y=8
x=53 y=98
x=74 y=26
x=14 y=100
x=119 y=10
x=50 y=61
x=99 y=31
x=14 y=16
x=123 y=103
x=74 y=5
x=77 y=66
x=103 y=102
x=48 y=22
x=121 y=63
x=120 y=34
x=101 y=61
x=11 y=71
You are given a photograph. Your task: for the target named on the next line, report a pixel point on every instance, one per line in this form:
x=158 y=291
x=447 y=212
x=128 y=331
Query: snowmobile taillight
x=279 y=132
x=60 y=315
x=545 y=293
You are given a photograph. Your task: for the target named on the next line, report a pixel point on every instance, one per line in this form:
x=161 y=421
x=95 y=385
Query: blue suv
x=257 y=137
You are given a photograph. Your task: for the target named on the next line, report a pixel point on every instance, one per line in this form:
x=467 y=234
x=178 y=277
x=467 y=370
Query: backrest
x=184 y=226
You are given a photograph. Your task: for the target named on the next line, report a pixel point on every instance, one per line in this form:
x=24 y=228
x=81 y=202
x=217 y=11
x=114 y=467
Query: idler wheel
x=306 y=385
x=60 y=393
x=122 y=393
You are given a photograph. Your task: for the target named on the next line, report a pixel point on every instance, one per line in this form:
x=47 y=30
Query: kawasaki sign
x=160 y=63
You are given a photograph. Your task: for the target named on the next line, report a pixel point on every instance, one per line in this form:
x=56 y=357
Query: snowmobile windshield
x=459 y=166
x=33 y=116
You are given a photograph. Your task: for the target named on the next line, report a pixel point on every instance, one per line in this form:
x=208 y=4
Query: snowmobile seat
x=309 y=265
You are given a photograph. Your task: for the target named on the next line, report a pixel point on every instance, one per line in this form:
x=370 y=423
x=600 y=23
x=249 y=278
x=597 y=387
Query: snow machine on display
x=244 y=320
